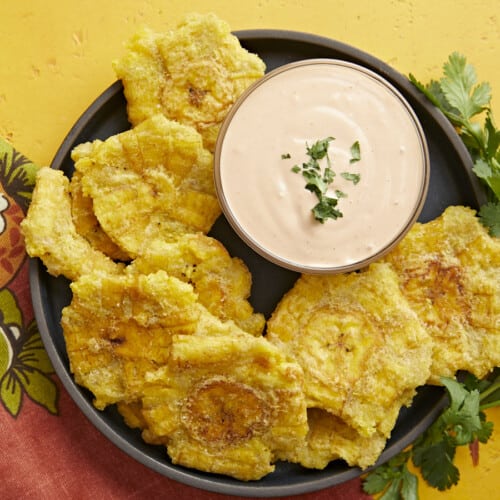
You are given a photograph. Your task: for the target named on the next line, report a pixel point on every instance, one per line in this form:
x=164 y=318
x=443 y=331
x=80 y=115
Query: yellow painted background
x=56 y=58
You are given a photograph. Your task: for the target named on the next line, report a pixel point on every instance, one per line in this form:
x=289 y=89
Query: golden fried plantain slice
x=222 y=283
x=362 y=348
x=235 y=405
x=86 y=222
x=330 y=438
x=118 y=330
x=449 y=271
x=50 y=233
x=192 y=74
x=152 y=182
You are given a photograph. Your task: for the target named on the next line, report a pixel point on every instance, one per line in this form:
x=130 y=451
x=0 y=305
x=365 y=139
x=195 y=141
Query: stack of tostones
x=363 y=351
x=220 y=399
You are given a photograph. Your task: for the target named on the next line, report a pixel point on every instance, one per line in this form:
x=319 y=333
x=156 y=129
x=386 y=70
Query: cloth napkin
x=49 y=449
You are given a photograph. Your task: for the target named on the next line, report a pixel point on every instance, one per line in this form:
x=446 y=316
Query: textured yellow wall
x=56 y=58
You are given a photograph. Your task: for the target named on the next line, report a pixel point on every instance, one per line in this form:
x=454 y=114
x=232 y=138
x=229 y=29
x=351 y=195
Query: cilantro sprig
x=319 y=179
x=462 y=423
x=458 y=95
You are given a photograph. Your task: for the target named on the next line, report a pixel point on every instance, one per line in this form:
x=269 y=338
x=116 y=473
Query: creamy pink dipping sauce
x=292 y=107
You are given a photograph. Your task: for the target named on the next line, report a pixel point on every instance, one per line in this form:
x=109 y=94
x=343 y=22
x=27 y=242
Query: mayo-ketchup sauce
x=268 y=131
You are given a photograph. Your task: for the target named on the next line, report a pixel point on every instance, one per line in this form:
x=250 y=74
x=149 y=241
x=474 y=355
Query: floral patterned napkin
x=24 y=366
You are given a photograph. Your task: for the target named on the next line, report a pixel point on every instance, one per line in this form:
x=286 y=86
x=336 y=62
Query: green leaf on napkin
x=24 y=364
x=17 y=174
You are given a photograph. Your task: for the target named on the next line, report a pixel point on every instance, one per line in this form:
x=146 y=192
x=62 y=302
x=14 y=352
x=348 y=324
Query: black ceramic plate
x=451 y=183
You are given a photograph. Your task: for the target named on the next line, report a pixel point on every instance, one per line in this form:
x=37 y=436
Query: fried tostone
x=222 y=283
x=118 y=330
x=449 y=270
x=192 y=74
x=151 y=182
x=86 y=222
x=234 y=407
x=330 y=438
x=50 y=233
x=362 y=348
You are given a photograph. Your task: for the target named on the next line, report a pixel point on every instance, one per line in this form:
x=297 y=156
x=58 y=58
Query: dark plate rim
x=191 y=477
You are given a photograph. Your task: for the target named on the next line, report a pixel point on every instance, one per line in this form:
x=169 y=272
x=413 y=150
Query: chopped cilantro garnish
x=318 y=179
x=348 y=176
x=319 y=149
x=325 y=209
x=355 y=153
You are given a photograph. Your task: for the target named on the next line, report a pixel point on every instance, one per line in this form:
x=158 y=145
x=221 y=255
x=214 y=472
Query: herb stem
x=476 y=135
x=487 y=392
x=492 y=404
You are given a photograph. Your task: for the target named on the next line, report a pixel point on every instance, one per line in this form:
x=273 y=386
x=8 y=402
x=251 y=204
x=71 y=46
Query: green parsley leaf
x=319 y=149
x=489 y=172
x=458 y=87
x=409 y=486
x=314 y=183
x=354 y=178
x=434 y=94
x=325 y=209
x=492 y=135
x=489 y=215
x=328 y=175
x=436 y=463
x=378 y=480
x=393 y=491
x=393 y=479
x=482 y=169
x=484 y=434
x=285 y=156
x=355 y=152
x=461 y=419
